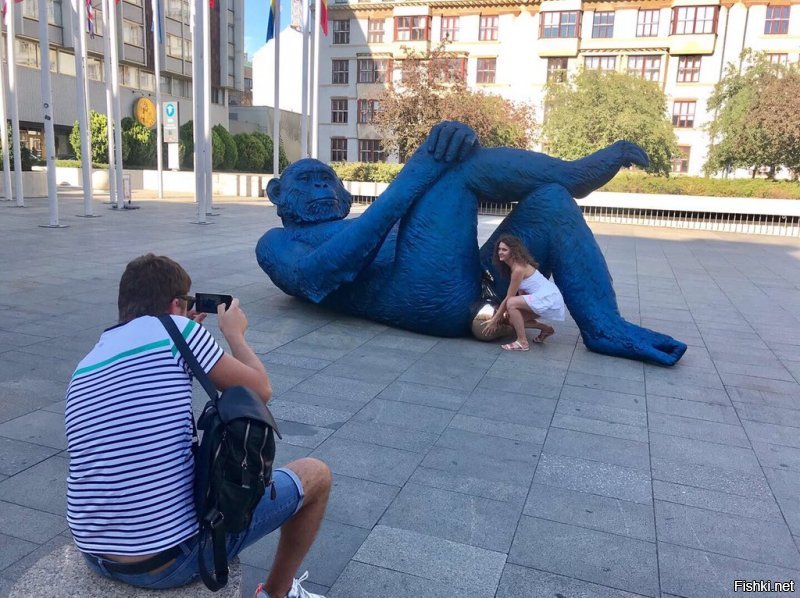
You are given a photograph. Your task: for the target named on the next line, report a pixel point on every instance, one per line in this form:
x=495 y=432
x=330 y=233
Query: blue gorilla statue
x=411 y=260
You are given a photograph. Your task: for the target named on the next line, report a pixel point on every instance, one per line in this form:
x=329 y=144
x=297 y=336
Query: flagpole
x=47 y=114
x=315 y=86
x=11 y=54
x=276 y=110
x=157 y=66
x=207 y=146
x=197 y=93
x=4 y=132
x=79 y=43
x=306 y=29
x=112 y=178
x=116 y=107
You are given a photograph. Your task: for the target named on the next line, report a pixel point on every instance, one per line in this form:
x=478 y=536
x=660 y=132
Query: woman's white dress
x=543 y=297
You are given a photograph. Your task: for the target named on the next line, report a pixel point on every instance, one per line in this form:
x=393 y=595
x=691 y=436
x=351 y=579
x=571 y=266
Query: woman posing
x=530 y=295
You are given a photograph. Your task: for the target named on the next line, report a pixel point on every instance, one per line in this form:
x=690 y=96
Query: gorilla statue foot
x=623 y=339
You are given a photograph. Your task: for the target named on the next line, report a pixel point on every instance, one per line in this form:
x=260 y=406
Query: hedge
x=370 y=172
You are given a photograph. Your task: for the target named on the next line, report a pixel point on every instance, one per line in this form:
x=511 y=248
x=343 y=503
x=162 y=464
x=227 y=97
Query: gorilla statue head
x=309 y=191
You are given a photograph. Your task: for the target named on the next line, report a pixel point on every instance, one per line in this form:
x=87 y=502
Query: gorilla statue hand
x=451 y=141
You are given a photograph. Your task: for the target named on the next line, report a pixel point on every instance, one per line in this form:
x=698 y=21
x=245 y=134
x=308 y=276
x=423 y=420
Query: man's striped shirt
x=129 y=434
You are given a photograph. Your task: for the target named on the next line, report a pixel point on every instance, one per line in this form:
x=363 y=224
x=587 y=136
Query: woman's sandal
x=515 y=346
x=544 y=334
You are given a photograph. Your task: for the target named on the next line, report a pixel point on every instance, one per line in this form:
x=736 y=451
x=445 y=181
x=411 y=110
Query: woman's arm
x=517 y=273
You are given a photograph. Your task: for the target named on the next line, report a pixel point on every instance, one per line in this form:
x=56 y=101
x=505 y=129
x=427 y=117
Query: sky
x=256 y=13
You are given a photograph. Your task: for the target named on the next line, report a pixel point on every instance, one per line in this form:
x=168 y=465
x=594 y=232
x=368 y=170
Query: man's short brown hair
x=149 y=284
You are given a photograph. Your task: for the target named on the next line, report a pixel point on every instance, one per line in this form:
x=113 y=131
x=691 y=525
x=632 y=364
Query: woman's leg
x=518 y=313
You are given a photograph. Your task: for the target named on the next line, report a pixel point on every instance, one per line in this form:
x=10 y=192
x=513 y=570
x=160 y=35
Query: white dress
x=543 y=297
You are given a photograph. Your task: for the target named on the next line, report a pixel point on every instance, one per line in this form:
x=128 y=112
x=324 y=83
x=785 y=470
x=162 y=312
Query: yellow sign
x=144 y=110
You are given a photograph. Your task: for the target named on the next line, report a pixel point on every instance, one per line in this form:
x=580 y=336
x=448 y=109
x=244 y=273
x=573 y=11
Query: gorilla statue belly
x=412 y=260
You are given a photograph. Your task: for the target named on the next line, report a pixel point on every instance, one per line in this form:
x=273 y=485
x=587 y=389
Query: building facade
x=513 y=48
x=137 y=68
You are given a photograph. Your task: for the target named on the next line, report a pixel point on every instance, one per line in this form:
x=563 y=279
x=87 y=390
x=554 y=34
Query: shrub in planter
x=251 y=153
x=231 y=151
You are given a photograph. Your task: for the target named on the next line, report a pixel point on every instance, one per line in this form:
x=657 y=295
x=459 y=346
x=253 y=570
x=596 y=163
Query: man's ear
x=175 y=307
x=274 y=190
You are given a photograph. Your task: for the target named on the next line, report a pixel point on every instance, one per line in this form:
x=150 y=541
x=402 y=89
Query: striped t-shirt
x=129 y=434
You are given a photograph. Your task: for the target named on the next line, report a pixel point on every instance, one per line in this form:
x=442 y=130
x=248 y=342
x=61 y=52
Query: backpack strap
x=209 y=521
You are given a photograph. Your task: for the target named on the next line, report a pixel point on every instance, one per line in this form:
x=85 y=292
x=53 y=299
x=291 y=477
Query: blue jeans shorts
x=268 y=516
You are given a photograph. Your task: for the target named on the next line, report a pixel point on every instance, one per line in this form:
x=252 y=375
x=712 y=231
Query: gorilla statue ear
x=274 y=190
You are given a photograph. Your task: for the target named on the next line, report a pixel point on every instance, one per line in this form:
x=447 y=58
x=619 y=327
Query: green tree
x=186 y=144
x=251 y=153
x=217 y=150
x=594 y=109
x=756 y=120
x=231 y=152
x=25 y=155
x=433 y=88
x=98 y=126
x=266 y=141
x=141 y=143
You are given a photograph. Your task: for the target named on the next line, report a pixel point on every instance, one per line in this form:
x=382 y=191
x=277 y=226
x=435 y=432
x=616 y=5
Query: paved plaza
x=459 y=469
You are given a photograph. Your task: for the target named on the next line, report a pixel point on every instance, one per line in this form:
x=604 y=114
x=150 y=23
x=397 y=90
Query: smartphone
x=208 y=302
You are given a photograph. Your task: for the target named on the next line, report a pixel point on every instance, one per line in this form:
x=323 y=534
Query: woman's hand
x=490 y=326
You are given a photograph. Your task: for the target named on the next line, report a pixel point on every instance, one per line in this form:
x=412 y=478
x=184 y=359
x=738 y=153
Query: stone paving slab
x=459 y=469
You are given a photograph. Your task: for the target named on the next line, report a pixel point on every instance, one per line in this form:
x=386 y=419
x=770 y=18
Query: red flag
x=323 y=16
x=5 y=3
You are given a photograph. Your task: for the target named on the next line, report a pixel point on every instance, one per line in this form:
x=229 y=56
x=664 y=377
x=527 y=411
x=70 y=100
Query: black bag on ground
x=233 y=463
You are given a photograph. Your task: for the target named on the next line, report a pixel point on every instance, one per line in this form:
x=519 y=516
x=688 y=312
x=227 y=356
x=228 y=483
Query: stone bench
x=64 y=573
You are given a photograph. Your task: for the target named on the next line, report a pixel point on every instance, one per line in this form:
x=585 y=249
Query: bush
x=217 y=150
x=252 y=153
x=98 y=126
x=141 y=143
x=231 y=151
x=637 y=182
x=79 y=164
x=25 y=156
x=266 y=141
x=186 y=144
x=373 y=172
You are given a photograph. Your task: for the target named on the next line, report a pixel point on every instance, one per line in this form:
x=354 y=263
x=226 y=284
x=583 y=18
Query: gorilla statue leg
x=552 y=227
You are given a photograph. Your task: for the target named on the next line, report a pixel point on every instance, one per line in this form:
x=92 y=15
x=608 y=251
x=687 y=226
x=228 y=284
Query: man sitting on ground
x=130 y=502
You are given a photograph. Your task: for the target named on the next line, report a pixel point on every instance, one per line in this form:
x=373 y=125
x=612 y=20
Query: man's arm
x=243 y=367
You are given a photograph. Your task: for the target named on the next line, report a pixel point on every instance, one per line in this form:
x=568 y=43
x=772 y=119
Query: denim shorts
x=268 y=516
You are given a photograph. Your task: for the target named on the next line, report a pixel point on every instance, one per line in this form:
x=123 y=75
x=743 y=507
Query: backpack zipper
x=244 y=448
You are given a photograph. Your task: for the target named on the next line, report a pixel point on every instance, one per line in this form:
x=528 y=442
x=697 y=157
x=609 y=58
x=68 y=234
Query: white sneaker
x=297 y=590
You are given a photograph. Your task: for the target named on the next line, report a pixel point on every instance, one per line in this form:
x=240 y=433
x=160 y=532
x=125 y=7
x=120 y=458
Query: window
x=603 y=25
x=132 y=33
x=340 y=72
x=645 y=67
x=338 y=149
x=367 y=109
x=27 y=53
x=647 y=23
x=147 y=81
x=94 y=69
x=778 y=58
x=129 y=76
x=449 y=70
x=375 y=31
x=341 y=31
x=600 y=63
x=486 y=70
x=370 y=150
x=66 y=63
x=450 y=28
x=411 y=28
x=683 y=114
x=487 y=28
x=777 y=22
x=174 y=46
x=178 y=9
x=53 y=60
x=687 y=20
x=373 y=71
x=559 y=24
x=689 y=69
x=557 y=70
x=54 y=12
x=339 y=111
x=680 y=163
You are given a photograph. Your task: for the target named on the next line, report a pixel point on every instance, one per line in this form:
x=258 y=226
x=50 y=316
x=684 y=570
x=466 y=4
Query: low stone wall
x=34 y=184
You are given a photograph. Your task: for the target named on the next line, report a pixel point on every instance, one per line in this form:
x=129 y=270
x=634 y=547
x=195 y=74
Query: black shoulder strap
x=188 y=356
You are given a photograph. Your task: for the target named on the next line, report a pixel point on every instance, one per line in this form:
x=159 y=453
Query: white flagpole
x=4 y=132
x=11 y=54
x=197 y=93
x=315 y=86
x=207 y=146
x=112 y=13
x=276 y=110
x=79 y=42
x=157 y=66
x=47 y=116
x=306 y=29
x=113 y=192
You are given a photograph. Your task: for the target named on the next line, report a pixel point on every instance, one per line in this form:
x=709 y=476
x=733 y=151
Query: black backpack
x=233 y=463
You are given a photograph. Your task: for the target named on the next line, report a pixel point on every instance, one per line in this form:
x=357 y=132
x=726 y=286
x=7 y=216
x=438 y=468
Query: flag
x=158 y=20
x=91 y=25
x=323 y=16
x=5 y=4
x=271 y=21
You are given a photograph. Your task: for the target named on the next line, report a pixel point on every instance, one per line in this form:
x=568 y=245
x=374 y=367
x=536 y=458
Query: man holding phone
x=130 y=503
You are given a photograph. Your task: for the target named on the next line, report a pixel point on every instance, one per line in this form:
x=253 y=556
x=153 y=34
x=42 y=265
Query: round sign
x=144 y=110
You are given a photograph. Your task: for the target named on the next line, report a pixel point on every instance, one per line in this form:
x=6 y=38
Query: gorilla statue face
x=309 y=191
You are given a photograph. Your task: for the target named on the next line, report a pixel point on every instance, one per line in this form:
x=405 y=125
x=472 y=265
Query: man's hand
x=197 y=316
x=232 y=321
x=451 y=141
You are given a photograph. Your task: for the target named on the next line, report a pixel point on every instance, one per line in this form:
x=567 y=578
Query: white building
x=511 y=47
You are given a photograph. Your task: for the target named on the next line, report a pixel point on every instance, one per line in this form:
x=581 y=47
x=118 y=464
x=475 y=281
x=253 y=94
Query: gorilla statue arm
x=318 y=250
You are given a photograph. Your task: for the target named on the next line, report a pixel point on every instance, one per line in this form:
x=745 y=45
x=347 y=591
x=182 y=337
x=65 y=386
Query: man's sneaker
x=297 y=590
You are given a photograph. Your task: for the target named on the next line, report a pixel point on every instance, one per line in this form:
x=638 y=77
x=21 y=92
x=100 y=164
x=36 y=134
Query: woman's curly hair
x=519 y=254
